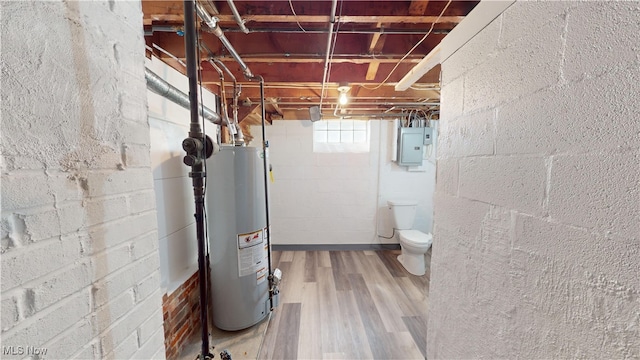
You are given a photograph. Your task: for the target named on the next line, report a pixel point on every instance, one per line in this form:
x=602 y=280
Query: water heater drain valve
x=274 y=281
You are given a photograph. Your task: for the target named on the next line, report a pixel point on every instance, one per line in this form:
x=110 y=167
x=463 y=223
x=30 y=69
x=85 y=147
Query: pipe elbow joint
x=248 y=74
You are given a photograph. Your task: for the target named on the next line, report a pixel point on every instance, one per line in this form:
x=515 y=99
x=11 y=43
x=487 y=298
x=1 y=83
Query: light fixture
x=343 y=99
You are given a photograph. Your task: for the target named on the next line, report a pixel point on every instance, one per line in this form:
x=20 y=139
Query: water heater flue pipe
x=215 y=29
x=159 y=86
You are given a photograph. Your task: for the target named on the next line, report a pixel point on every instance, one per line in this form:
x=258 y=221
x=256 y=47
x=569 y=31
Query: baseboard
x=335 y=247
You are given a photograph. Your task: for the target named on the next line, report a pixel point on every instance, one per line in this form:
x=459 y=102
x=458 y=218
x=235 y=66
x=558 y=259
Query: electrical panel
x=428 y=134
x=410 y=146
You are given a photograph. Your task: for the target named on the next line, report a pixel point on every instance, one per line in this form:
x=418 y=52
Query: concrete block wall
x=80 y=265
x=537 y=206
x=169 y=125
x=339 y=198
x=318 y=198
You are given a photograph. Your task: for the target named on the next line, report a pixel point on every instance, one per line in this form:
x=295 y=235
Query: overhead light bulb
x=343 y=99
x=344 y=88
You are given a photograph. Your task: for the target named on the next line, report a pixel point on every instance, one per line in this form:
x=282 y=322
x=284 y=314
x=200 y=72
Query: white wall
x=169 y=125
x=537 y=212
x=80 y=275
x=337 y=198
x=395 y=182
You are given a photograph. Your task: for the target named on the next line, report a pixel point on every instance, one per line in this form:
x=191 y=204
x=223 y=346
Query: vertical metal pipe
x=237 y=89
x=223 y=99
x=192 y=66
x=266 y=182
x=332 y=20
x=197 y=140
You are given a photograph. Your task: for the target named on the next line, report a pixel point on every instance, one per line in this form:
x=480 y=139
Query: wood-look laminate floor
x=347 y=305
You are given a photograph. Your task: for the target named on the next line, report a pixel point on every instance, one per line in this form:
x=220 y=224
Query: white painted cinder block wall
x=80 y=264
x=337 y=198
x=169 y=125
x=537 y=250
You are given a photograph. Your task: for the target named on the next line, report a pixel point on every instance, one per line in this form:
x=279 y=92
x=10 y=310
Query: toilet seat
x=415 y=237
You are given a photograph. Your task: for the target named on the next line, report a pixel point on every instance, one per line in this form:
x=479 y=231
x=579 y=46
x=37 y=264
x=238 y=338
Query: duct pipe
x=159 y=86
x=215 y=29
x=163 y=28
x=236 y=15
x=332 y=19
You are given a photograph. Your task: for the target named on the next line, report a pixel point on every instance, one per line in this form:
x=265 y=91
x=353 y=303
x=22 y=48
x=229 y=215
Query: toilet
x=414 y=243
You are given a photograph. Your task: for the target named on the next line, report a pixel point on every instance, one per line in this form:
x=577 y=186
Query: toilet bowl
x=414 y=243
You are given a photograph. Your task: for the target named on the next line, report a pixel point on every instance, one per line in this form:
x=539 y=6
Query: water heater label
x=250 y=253
x=250 y=239
x=261 y=275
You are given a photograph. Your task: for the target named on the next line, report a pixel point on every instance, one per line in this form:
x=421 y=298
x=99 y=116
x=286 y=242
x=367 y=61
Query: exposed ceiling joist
x=317 y=19
x=289 y=50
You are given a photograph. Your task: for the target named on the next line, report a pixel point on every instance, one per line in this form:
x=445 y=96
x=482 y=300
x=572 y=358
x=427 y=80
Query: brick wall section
x=537 y=213
x=181 y=312
x=80 y=261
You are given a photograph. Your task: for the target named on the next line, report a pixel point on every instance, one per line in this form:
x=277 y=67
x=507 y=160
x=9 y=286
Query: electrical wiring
x=410 y=51
x=296 y=17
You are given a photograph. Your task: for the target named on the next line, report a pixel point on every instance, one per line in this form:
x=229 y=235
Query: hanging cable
x=296 y=17
x=410 y=50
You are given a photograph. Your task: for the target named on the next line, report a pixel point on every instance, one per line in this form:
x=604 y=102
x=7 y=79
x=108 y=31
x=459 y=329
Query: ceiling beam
x=245 y=110
x=372 y=71
x=338 y=59
x=374 y=38
x=352 y=19
x=375 y=46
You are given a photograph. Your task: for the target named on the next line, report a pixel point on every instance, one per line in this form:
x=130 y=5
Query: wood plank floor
x=347 y=305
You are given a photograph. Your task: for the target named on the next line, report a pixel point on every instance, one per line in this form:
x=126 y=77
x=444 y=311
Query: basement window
x=330 y=136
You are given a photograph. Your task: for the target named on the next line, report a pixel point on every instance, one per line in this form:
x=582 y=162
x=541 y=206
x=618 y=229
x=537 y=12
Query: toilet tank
x=403 y=213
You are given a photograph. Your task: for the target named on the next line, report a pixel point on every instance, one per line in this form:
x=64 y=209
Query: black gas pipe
x=198 y=147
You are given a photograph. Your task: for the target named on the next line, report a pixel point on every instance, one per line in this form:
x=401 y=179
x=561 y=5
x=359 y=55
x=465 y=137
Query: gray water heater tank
x=235 y=204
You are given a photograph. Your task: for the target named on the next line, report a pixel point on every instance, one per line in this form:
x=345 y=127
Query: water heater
x=237 y=232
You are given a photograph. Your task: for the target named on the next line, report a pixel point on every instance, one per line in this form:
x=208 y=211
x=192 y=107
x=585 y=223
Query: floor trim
x=334 y=247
